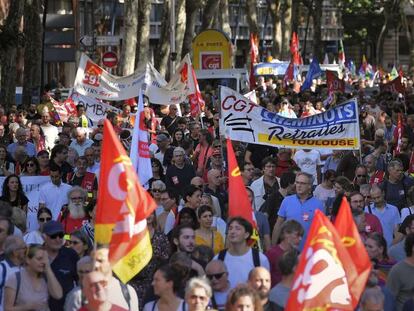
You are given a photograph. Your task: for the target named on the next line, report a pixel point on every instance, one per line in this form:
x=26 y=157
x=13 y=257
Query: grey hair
x=10 y=244
x=309 y=176
x=394 y=163
x=374 y=295
x=82 y=191
x=199 y=282
x=81 y=130
x=83 y=261
x=159 y=184
x=365 y=187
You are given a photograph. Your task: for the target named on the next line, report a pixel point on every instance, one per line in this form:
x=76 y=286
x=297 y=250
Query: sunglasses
x=156 y=190
x=216 y=276
x=30 y=164
x=41 y=219
x=59 y=235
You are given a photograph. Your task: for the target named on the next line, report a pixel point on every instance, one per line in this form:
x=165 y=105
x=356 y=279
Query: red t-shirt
x=273 y=255
x=70 y=224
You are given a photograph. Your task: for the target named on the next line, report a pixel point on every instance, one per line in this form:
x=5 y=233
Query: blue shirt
x=293 y=208
x=30 y=149
x=389 y=218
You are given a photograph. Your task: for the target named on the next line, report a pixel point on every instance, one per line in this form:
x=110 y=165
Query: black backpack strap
x=18 y=280
x=154 y=304
x=213 y=302
x=222 y=254
x=369 y=209
x=125 y=293
x=256 y=257
x=3 y=280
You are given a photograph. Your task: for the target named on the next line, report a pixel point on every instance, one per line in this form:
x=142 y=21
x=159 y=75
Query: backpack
x=255 y=255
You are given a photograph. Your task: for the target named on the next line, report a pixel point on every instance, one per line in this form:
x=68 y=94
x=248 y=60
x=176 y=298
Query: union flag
x=324 y=272
x=122 y=209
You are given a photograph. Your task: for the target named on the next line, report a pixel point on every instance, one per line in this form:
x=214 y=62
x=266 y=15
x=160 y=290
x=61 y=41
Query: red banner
x=334 y=83
x=394 y=86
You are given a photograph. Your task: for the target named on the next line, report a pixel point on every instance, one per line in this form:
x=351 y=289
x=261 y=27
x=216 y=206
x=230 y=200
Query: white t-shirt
x=308 y=162
x=240 y=266
x=323 y=194
x=33 y=237
x=406 y=211
x=54 y=197
x=153 y=306
x=51 y=133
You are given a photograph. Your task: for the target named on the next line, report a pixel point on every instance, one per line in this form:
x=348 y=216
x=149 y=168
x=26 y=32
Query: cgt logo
x=211 y=61
x=92 y=74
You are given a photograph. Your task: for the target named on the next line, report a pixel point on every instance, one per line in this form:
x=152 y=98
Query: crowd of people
x=201 y=257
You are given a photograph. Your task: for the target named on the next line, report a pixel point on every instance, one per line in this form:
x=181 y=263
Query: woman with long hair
x=178 y=138
x=6 y=167
x=166 y=283
x=161 y=250
x=35 y=236
x=205 y=234
x=13 y=193
x=59 y=156
x=157 y=171
x=376 y=246
x=30 y=287
x=31 y=167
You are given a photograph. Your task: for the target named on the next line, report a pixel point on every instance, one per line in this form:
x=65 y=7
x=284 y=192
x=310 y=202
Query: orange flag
x=324 y=272
x=348 y=231
x=123 y=206
x=239 y=204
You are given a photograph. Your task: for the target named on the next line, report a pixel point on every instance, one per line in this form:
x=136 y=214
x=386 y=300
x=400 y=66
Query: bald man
x=216 y=272
x=259 y=279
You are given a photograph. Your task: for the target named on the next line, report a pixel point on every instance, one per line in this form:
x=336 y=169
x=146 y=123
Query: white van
x=236 y=79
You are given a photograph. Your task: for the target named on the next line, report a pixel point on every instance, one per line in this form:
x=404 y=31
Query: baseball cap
x=162 y=137
x=52 y=227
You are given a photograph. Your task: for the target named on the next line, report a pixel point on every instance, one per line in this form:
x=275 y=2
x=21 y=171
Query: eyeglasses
x=83 y=271
x=76 y=198
x=59 y=235
x=216 y=276
x=41 y=219
x=156 y=190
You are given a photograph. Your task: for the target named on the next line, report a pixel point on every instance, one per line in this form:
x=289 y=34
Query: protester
x=243 y=297
x=197 y=294
x=259 y=279
x=35 y=236
x=19 y=286
x=205 y=234
x=216 y=272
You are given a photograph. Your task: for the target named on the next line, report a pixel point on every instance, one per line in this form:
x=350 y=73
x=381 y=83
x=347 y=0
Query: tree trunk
x=143 y=33
x=286 y=29
x=191 y=10
x=8 y=57
x=180 y=26
x=224 y=17
x=33 y=50
x=251 y=13
x=208 y=13
x=274 y=8
x=130 y=36
x=295 y=16
x=163 y=47
x=408 y=25
x=380 y=40
x=318 y=48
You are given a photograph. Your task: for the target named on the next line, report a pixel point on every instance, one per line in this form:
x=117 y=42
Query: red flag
x=294 y=49
x=254 y=54
x=394 y=86
x=123 y=206
x=348 y=231
x=289 y=74
x=334 y=83
x=196 y=100
x=398 y=134
x=239 y=204
x=324 y=272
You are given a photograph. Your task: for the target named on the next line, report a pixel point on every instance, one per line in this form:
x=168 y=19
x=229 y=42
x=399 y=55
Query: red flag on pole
x=394 y=86
x=324 y=272
x=334 y=83
x=239 y=204
x=294 y=49
x=398 y=135
x=348 y=231
x=123 y=206
x=289 y=74
x=254 y=54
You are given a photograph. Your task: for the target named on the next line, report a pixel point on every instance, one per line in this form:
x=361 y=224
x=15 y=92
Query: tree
x=224 y=17
x=274 y=9
x=191 y=10
x=33 y=31
x=163 y=47
x=209 y=12
x=143 y=32
x=251 y=14
x=11 y=38
x=130 y=36
x=408 y=26
x=180 y=25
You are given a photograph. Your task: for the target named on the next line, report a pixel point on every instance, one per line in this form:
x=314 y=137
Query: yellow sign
x=339 y=143
x=212 y=49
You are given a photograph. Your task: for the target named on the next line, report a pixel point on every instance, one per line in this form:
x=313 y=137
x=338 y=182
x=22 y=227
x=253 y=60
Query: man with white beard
x=73 y=215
